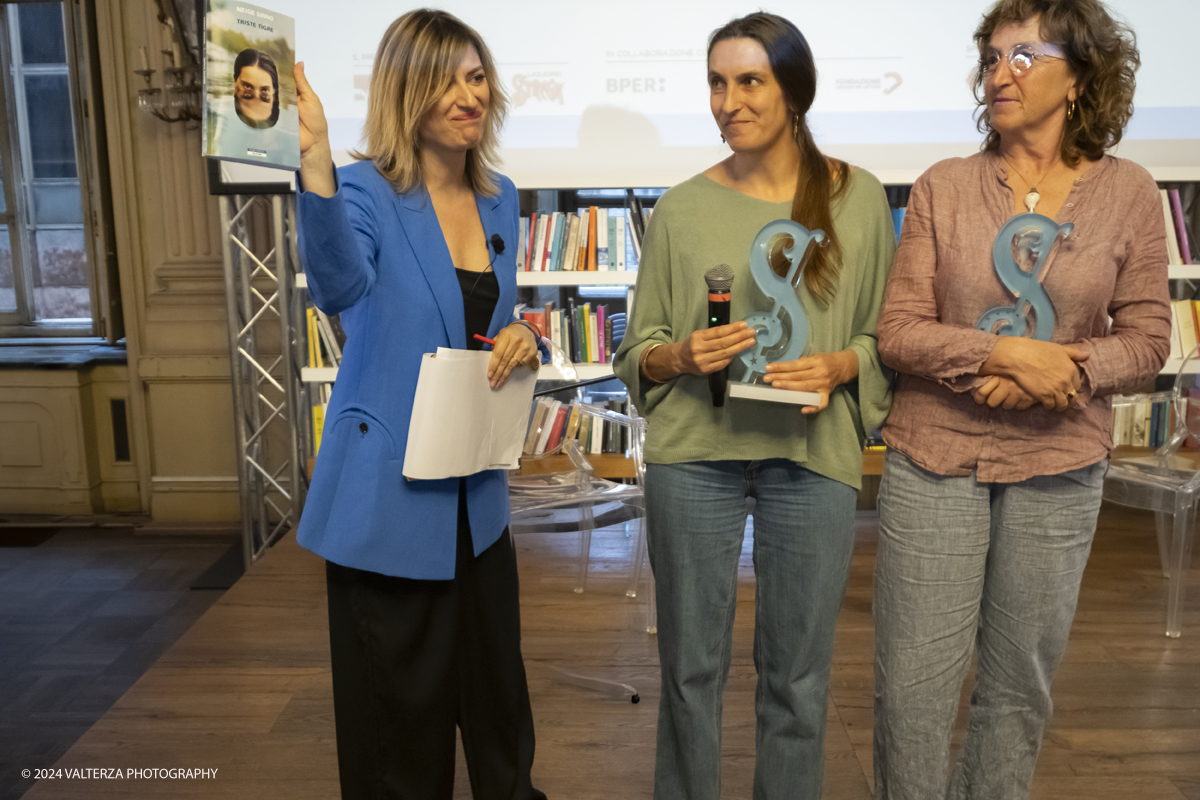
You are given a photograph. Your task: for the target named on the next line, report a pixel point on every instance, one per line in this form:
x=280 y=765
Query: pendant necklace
x=1031 y=199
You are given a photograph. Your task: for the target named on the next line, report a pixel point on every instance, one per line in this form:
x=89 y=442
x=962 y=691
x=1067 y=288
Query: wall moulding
x=194 y=311
x=203 y=483
x=191 y=284
x=34 y=500
x=178 y=369
x=205 y=278
x=41 y=443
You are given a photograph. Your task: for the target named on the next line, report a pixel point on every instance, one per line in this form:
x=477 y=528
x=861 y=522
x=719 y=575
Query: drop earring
x=795 y=126
x=1071 y=110
x=722 y=138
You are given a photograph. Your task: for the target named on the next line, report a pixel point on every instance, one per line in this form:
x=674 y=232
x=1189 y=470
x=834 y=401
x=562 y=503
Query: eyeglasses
x=1022 y=57
x=247 y=91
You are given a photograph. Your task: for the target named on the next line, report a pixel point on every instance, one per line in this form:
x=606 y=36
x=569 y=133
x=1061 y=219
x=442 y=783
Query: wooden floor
x=247 y=690
x=84 y=612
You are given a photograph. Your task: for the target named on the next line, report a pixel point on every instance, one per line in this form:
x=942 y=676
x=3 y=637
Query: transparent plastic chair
x=1167 y=482
x=579 y=490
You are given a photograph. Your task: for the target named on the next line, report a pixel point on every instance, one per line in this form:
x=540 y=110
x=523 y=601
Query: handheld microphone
x=720 y=281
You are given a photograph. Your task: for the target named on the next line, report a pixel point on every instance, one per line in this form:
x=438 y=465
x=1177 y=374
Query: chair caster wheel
x=635 y=699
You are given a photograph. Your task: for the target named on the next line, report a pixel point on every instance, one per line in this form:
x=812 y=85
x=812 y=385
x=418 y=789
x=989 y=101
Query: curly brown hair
x=1101 y=52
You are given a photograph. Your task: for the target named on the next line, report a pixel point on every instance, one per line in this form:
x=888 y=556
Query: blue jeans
x=803 y=541
x=963 y=562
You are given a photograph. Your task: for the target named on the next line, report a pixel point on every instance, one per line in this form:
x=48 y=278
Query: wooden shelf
x=1130 y=451
x=612 y=466
x=873 y=462
x=1177 y=272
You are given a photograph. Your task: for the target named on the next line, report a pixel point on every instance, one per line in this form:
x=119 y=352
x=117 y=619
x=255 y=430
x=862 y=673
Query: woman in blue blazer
x=423 y=597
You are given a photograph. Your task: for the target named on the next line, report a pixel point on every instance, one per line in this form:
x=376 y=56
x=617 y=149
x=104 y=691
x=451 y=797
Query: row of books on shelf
x=553 y=423
x=321 y=397
x=1142 y=420
x=1179 y=238
x=325 y=342
x=1185 y=327
x=325 y=339
x=587 y=334
x=592 y=239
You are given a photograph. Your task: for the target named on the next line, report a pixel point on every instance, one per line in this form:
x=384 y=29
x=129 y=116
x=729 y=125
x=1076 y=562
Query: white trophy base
x=757 y=391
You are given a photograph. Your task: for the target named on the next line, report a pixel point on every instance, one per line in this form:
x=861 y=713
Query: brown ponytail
x=820 y=182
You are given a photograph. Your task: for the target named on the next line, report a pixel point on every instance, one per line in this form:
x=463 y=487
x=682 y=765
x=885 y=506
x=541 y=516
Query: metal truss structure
x=265 y=355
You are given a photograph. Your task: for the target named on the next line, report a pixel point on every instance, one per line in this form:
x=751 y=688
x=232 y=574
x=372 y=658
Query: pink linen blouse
x=1113 y=265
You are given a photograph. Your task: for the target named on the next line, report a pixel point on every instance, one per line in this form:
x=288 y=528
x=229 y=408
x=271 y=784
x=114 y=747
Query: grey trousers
x=962 y=562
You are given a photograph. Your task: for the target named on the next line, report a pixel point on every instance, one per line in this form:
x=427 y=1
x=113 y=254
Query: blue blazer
x=379 y=259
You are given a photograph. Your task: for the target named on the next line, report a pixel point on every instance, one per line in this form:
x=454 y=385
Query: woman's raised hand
x=710 y=349
x=316 y=159
x=314 y=131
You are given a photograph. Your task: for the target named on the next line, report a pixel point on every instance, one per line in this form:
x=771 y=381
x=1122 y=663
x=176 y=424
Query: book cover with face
x=250 y=110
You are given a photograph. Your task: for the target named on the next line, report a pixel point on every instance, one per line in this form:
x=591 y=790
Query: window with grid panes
x=45 y=272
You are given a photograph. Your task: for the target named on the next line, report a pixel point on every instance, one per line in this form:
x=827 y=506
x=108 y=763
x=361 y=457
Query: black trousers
x=414 y=658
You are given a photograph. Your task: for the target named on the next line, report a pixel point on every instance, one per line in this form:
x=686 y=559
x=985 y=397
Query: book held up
x=250 y=112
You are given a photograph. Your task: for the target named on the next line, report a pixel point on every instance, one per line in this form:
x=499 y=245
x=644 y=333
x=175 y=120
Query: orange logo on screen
x=546 y=90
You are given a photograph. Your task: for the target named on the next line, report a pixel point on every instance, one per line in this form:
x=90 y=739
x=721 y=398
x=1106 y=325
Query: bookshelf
x=556 y=223
x=1183 y=277
x=524 y=279
x=537 y=287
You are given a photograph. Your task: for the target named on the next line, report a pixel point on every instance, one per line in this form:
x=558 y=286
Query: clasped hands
x=1025 y=372
x=710 y=349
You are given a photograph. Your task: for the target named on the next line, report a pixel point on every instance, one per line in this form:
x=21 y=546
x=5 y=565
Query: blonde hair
x=414 y=67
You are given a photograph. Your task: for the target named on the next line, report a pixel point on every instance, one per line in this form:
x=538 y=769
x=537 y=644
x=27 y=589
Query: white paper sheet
x=460 y=425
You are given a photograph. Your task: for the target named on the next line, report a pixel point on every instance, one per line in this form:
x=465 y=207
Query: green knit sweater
x=699 y=224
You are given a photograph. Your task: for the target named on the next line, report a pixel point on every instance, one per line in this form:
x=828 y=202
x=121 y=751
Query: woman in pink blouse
x=998 y=438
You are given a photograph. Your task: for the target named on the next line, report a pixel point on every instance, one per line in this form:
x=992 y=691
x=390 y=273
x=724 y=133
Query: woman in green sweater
x=802 y=465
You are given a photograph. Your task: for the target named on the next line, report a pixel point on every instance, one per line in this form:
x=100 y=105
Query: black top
x=481 y=291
